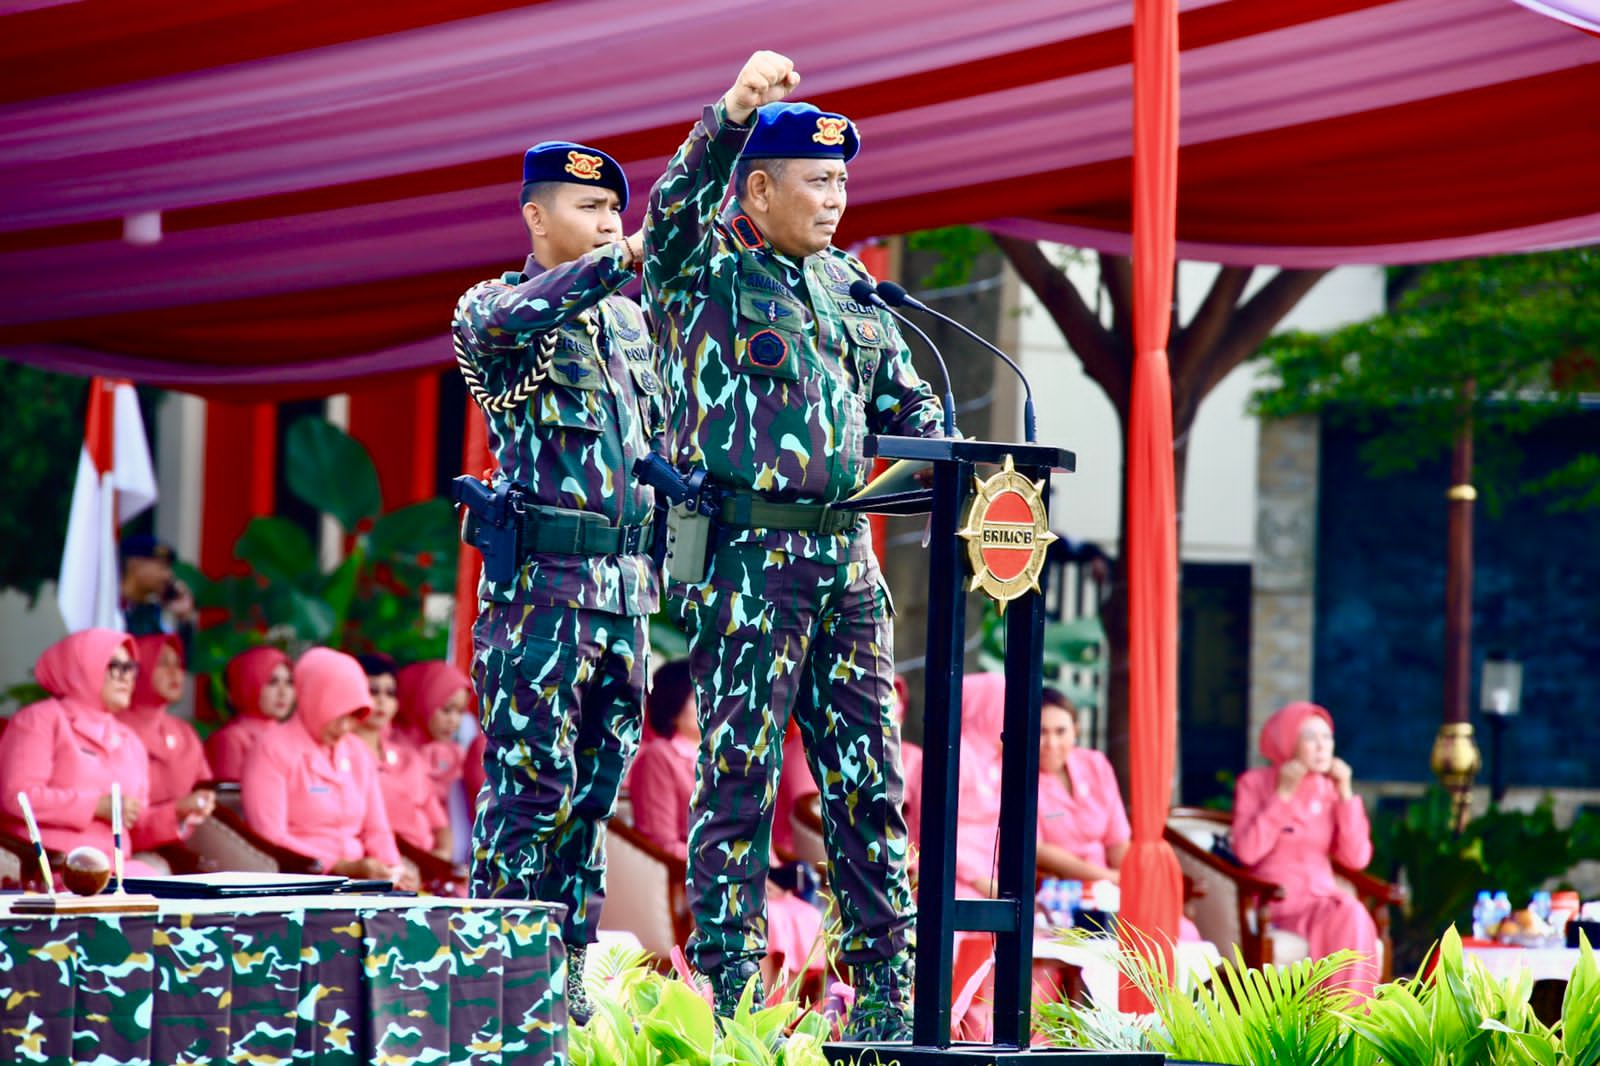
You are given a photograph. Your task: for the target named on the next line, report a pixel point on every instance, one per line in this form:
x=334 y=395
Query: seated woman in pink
x=1290 y=819
x=177 y=759
x=311 y=787
x=433 y=698
x=415 y=812
x=261 y=691
x=1083 y=826
x=662 y=778
x=983 y=712
x=66 y=751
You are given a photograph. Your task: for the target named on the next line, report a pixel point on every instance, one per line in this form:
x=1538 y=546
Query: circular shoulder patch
x=768 y=349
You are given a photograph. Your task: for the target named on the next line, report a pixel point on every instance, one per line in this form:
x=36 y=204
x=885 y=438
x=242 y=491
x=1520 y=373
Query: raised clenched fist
x=767 y=77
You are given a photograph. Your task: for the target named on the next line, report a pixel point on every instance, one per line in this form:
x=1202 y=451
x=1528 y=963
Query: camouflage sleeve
x=685 y=201
x=496 y=318
x=903 y=405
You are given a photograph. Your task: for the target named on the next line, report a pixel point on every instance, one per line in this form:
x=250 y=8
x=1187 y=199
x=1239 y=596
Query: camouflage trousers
x=770 y=636
x=560 y=694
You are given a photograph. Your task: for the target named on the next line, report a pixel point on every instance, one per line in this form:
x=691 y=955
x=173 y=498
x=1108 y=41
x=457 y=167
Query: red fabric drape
x=1152 y=885
x=476 y=459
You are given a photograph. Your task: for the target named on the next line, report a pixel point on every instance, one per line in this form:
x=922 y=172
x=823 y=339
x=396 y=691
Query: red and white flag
x=116 y=481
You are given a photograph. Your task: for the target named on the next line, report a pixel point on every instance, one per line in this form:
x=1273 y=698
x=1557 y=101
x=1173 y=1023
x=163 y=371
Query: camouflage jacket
x=596 y=410
x=776 y=374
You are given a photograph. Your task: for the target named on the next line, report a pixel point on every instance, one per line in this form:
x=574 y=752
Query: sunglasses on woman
x=122 y=668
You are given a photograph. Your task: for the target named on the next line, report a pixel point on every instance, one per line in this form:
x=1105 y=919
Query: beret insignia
x=583 y=166
x=830 y=131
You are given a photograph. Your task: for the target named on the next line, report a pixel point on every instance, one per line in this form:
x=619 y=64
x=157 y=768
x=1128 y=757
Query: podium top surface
x=971 y=451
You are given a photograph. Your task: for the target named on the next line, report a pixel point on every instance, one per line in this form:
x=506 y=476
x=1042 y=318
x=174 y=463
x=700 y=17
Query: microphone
x=896 y=296
x=861 y=291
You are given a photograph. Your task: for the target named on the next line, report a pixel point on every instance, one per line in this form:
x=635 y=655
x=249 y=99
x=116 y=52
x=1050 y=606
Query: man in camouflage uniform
x=776 y=377
x=563 y=369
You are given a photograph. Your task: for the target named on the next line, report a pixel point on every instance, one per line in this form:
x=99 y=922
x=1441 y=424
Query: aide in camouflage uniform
x=572 y=399
x=776 y=377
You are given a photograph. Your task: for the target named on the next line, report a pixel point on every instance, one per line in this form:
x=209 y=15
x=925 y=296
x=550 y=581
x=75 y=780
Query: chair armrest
x=1248 y=883
x=439 y=876
x=1369 y=887
x=288 y=860
x=28 y=860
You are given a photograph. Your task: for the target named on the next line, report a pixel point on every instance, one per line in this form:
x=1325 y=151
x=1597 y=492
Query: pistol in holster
x=687 y=508
x=491 y=521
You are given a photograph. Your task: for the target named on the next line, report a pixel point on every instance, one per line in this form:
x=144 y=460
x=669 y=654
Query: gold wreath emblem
x=1008 y=535
x=830 y=131
x=584 y=166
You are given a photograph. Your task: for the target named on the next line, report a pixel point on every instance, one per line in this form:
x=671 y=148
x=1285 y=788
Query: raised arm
x=494 y=317
x=1259 y=816
x=685 y=201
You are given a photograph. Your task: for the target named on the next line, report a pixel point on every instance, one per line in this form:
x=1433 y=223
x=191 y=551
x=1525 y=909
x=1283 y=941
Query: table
x=1096 y=962
x=321 y=979
x=1506 y=960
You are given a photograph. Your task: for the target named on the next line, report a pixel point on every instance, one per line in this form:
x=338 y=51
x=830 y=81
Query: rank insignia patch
x=583 y=166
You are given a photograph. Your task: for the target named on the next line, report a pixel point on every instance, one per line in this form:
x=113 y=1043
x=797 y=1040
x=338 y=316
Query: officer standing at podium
x=563 y=369
x=776 y=377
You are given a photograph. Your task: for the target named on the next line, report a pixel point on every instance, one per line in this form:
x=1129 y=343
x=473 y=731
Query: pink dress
x=177 y=759
x=911 y=763
x=1088 y=819
x=229 y=747
x=1291 y=842
x=323 y=802
x=983 y=699
x=795 y=783
x=65 y=752
x=414 y=809
x=424 y=688
x=659 y=786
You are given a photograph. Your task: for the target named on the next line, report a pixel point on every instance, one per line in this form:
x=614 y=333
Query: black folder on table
x=233 y=885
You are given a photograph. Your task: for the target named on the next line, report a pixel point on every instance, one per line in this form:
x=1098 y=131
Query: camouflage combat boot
x=882 y=1010
x=579 y=1007
x=729 y=981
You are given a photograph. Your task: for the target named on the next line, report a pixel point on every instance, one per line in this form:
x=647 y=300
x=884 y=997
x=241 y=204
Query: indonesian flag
x=116 y=481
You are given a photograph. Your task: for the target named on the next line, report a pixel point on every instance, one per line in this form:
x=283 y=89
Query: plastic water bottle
x=1541 y=905
x=1482 y=915
x=1050 y=899
x=1502 y=908
x=1072 y=893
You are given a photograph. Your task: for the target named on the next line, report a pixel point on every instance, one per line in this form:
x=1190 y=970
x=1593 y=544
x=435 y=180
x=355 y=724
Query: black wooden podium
x=939 y=914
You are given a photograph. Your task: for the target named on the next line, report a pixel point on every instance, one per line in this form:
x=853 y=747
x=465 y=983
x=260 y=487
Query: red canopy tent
x=329 y=179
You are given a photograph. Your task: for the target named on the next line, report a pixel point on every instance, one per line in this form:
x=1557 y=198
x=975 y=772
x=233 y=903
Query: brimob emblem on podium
x=1008 y=535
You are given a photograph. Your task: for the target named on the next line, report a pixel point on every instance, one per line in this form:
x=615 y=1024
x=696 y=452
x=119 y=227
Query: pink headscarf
x=328 y=685
x=73 y=669
x=425 y=687
x=983 y=711
x=148 y=648
x=248 y=673
x=1281 y=735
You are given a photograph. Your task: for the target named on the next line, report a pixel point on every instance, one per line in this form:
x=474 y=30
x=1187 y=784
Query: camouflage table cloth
x=310 y=979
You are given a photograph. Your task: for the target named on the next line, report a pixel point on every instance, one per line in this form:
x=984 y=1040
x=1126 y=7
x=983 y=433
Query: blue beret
x=801 y=131
x=576 y=164
x=144 y=546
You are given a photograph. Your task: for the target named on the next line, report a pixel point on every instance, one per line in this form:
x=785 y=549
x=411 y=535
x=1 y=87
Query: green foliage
x=1521 y=328
x=1444 y=870
x=371 y=598
x=1457 y=1015
x=957 y=248
x=643 y=1018
x=1074 y=654
x=40 y=438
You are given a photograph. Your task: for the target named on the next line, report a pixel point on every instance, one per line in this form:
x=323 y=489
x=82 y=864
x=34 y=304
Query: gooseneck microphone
x=896 y=296
x=861 y=291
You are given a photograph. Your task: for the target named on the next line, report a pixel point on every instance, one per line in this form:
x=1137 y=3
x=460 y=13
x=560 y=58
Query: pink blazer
x=303 y=795
x=65 y=760
x=1089 y=819
x=414 y=809
x=177 y=764
x=1290 y=841
x=660 y=786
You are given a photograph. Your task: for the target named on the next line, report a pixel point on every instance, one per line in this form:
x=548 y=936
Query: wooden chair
x=439 y=877
x=1233 y=906
x=645 y=892
x=225 y=842
x=806 y=821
